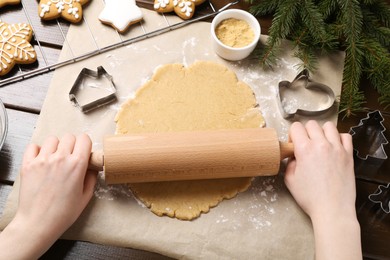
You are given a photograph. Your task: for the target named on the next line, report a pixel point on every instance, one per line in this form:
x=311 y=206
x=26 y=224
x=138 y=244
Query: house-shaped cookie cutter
x=99 y=82
x=368 y=138
x=302 y=80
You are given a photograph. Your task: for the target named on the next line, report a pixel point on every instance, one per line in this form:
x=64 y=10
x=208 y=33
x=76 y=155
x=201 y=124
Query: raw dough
x=204 y=96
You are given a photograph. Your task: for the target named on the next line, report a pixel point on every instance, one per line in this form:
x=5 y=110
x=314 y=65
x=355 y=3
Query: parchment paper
x=263 y=222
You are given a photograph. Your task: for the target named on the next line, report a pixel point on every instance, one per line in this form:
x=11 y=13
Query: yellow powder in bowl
x=235 y=33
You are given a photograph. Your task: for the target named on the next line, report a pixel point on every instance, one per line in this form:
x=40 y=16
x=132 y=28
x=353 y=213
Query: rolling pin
x=154 y=157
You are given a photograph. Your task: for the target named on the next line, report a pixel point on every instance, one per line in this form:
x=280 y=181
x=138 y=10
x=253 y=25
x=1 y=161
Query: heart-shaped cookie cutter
x=302 y=80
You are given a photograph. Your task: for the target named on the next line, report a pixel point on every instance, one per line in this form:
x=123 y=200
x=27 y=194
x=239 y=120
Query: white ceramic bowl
x=3 y=124
x=231 y=53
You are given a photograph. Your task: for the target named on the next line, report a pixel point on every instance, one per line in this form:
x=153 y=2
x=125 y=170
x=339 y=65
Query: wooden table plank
x=20 y=129
x=5 y=190
x=29 y=94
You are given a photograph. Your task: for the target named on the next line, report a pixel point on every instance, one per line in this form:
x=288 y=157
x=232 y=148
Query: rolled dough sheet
x=204 y=96
x=263 y=222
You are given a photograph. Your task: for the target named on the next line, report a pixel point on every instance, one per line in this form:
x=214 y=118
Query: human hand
x=55 y=187
x=321 y=176
x=321 y=179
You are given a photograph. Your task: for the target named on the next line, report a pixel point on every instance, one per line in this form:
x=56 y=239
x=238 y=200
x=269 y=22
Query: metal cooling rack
x=50 y=67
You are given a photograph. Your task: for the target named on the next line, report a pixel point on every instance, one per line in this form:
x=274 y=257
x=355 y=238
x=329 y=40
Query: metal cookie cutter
x=92 y=89
x=304 y=96
x=382 y=197
x=368 y=138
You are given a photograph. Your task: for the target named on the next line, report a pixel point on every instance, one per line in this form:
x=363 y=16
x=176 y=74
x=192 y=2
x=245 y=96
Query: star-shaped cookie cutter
x=98 y=81
x=382 y=197
x=302 y=80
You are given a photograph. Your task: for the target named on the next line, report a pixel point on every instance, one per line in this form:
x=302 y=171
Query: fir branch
x=385 y=100
x=284 y=18
x=382 y=11
x=353 y=104
x=336 y=29
x=280 y=28
x=372 y=27
x=308 y=57
x=352 y=19
x=312 y=19
x=376 y=56
x=327 y=7
x=377 y=68
x=369 y=2
x=382 y=34
x=264 y=8
x=353 y=98
x=268 y=54
x=305 y=42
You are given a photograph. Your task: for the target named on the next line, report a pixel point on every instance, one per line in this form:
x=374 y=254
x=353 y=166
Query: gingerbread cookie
x=9 y=2
x=15 y=46
x=120 y=14
x=70 y=10
x=185 y=9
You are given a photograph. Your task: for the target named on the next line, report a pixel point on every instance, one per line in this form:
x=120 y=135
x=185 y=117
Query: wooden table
x=24 y=99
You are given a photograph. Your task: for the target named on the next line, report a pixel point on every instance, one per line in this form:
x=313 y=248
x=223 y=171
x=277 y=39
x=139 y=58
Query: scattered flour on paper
x=114 y=61
x=112 y=192
x=258 y=212
x=189 y=50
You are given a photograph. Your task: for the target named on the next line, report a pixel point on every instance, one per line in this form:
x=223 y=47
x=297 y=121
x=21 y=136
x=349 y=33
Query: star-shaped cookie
x=15 y=46
x=185 y=9
x=120 y=14
x=70 y=10
x=8 y=2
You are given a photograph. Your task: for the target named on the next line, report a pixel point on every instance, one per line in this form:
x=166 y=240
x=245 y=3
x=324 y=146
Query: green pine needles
x=361 y=28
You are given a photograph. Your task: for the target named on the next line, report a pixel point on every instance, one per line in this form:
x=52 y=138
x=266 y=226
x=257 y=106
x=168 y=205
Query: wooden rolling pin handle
x=96 y=161
x=286 y=150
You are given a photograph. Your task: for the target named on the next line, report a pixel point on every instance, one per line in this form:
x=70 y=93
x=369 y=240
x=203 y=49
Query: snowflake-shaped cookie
x=15 y=46
x=185 y=9
x=8 y=2
x=70 y=10
x=382 y=197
